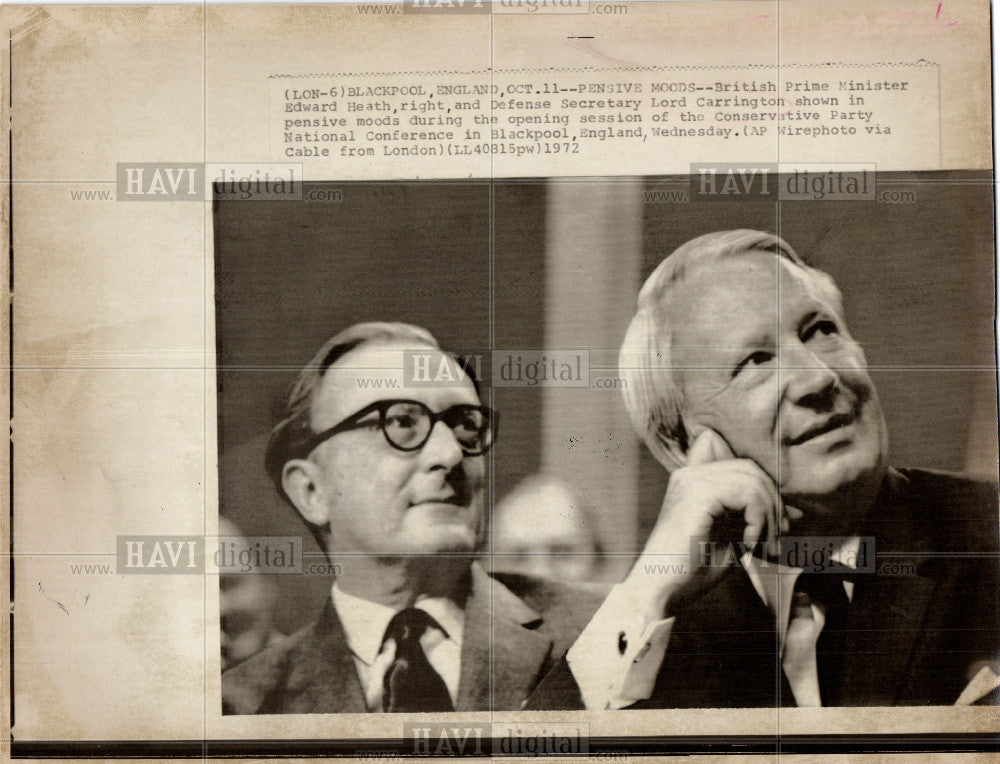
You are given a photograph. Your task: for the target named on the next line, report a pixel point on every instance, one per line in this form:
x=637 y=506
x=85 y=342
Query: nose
x=442 y=448
x=807 y=380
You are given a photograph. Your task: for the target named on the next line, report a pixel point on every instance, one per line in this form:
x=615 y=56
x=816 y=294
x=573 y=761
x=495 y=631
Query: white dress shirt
x=365 y=623
x=797 y=633
x=617 y=657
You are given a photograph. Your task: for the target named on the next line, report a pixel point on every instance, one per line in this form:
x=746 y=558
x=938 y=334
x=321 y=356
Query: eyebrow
x=807 y=319
x=753 y=340
x=739 y=349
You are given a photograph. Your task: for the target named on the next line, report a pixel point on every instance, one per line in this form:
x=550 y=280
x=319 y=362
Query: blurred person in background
x=544 y=528
x=245 y=603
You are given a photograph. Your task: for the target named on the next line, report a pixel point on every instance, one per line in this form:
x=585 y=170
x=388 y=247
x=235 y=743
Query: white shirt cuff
x=616 y=658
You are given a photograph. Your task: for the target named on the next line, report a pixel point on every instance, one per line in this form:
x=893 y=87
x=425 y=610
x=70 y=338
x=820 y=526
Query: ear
x=301 y=480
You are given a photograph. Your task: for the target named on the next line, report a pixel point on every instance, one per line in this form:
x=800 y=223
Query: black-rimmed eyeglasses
x=407 y=425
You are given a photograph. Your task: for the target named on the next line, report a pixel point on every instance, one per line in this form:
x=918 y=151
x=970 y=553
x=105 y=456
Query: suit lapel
x=502 y=650
x=885 y=625
x=887 y=611
x=323 y=677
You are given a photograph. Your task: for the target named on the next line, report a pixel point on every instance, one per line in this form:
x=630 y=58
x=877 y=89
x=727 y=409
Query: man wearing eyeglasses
x=391 y=480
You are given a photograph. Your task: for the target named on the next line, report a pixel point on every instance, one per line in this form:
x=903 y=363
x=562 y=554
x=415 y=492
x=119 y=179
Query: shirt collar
x=450 y=617
x=848 y=555
x=365 y=621
x=775 y=583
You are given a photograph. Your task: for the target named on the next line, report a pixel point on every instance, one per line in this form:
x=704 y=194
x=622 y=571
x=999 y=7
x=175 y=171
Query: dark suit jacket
x=910 y=639
x=517 y=628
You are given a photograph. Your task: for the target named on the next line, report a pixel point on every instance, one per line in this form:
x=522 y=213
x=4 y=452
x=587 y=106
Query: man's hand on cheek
x=715 y=498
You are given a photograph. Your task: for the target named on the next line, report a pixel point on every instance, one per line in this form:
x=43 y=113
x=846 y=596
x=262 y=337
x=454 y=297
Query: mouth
x=830 y=424
x=453 y=499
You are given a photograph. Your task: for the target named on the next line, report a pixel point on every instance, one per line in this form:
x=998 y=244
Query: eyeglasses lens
x=406 y=424
x=471 y=429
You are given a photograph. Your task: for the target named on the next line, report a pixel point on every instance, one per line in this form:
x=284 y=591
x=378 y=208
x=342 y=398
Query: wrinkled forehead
x=750 y=282
x=751 y=292
x=382 y=370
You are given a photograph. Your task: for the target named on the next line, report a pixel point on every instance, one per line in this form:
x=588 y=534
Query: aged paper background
x=113 y=342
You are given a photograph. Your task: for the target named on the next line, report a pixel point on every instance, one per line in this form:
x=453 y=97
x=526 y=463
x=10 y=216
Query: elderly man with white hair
x=790 y=564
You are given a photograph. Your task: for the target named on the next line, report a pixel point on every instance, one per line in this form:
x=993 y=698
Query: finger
x=732 y=486
x=756 y=517
x=753 y=499
x=773 y=529
x=708 y=447
x=735 y=493
x=793 y=512
x=778 y=521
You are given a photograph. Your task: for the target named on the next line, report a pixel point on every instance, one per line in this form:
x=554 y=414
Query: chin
x=832 y=489
x=819 y=471
x=443 y=540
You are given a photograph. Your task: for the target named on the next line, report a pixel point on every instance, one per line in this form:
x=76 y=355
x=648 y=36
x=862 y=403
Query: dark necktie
x=827 y=590
x=411 y=684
